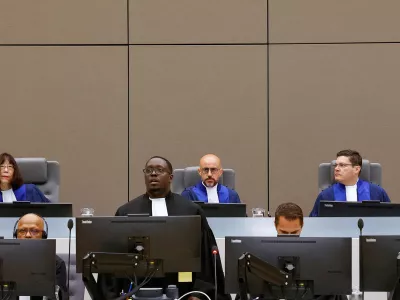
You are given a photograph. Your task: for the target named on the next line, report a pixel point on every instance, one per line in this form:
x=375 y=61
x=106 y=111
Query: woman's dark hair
x=16 y=180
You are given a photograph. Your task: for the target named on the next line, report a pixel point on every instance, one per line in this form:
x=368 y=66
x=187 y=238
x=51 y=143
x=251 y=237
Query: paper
x=185 y=277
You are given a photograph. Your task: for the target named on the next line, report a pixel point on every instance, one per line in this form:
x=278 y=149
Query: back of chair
x=371 y=172
x=76 y=285
x=42 y=173
x=189 y=176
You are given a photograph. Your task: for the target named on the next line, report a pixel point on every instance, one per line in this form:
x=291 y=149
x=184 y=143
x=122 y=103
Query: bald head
x=30 y=226
x=210 y=169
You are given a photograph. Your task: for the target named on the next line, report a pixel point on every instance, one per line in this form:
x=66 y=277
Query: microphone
x=214 y=251
x=360 y=225
x=70 y=226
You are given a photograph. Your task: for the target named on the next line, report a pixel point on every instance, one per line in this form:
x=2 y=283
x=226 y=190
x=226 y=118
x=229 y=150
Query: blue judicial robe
x=28 y=192
x=337 y=192
x=198 y=192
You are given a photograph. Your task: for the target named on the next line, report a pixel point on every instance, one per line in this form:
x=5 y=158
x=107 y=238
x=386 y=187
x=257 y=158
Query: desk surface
x=313 y=227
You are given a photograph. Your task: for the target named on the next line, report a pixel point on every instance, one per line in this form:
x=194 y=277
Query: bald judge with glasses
x=208 y=189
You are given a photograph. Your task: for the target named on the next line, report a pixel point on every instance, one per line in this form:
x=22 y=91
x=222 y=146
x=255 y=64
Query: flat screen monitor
x=358 y=209
x=173 y=240
x=28 y=266
x=379 y=256
x=47 y=210
x=321 y=265
x=221 y=210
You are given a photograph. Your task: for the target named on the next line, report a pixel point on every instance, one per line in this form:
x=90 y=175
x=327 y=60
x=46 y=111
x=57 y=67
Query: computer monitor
x=46 y=210
x=174 y=241
x=322 y=266
x=358 y=209
x=221 y=210
x=28 y=267
x=379 y=262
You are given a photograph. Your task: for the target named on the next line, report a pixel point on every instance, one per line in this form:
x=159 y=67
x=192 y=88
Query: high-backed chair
x=76 y=285
x=189 y=176
x=44 y=174
x=371 y=172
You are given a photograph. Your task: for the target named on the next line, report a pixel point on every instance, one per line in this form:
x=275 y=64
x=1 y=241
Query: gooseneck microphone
x=70 y=226
x=360 y=225
x=214 y=251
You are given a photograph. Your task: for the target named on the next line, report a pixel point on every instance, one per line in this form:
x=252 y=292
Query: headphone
x=45 y=233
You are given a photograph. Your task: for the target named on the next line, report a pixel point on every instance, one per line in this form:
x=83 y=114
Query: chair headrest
x=33 y=169
x=190 y=176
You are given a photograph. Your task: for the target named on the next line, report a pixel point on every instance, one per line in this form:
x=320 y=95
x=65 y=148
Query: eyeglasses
x=33 y=232
x=341 y=166
x=3 y=167
x=157 y=171
x=207 y=170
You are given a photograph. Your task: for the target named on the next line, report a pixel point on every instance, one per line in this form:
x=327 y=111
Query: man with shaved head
x=208 y=189
x=32 y=226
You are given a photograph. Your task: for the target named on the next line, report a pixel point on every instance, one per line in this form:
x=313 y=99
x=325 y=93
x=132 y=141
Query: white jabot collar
x=158 y=207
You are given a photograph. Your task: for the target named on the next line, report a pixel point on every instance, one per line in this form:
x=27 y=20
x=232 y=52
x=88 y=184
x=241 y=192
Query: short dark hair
x=164 y=159
x=354 y=157
x=289 y=211
x=17 y=180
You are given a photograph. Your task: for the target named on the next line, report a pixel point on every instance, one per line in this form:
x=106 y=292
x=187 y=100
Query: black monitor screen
x=378 y=262
x=358 y=209
x=176 y=241
x=46 y=210
x=320 y=264
x=221 y=210
x=29 y=265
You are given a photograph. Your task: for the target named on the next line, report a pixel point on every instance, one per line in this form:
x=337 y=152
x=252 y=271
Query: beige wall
x=101 y=85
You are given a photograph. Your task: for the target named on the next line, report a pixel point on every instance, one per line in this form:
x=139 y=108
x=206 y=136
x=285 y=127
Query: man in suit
x=32 y=226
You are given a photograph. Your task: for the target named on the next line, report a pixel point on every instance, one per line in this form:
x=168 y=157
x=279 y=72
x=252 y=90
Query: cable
x=138 y=287
x=193 y=292
x=215 y=276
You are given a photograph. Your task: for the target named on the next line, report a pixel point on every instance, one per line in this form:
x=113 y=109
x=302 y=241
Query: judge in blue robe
x=198 y=192
x=348 y=186
x=208 y=189
x=12 y=185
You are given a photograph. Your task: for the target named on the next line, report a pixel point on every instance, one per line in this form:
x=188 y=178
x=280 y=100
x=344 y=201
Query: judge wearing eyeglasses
x=349 y=187
x=208 y=189
x=12 y=185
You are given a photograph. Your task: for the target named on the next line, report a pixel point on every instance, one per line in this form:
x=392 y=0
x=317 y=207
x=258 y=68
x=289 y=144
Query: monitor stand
x=157 y=293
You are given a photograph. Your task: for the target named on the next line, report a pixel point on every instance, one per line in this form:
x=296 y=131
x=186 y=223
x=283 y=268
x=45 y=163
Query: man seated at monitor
x=32 y=226
x=160 y=201
x=348 y=186
x=208 y=189
x=289 y=221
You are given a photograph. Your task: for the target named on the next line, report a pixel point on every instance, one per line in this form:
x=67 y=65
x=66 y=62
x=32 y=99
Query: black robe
x=202 y=281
